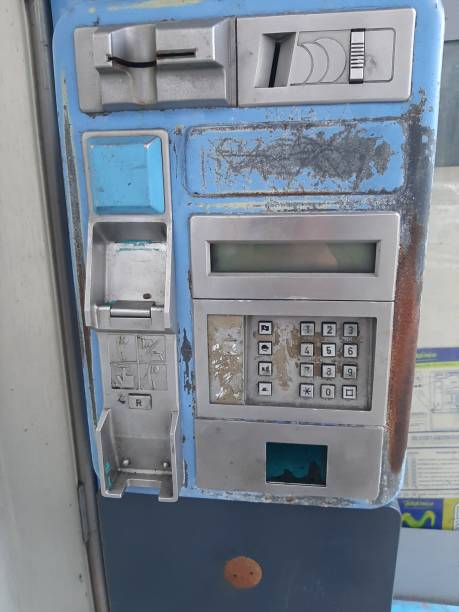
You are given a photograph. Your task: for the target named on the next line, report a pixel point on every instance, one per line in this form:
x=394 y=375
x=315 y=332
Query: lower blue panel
x=173 y=557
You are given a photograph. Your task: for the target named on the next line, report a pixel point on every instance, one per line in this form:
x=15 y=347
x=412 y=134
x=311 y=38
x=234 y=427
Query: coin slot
x=274 y=60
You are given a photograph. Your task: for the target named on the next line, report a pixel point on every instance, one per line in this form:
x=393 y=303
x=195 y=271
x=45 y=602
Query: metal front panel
x=221 y=375
x=231 y=455
x=382 y=228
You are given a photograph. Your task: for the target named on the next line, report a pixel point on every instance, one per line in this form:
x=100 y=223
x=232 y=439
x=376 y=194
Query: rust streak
x=404 y=342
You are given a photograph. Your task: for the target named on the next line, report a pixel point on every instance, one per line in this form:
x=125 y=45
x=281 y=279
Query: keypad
x=315 y=362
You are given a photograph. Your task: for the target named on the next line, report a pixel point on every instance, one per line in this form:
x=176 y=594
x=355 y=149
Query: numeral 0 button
x=327 y=391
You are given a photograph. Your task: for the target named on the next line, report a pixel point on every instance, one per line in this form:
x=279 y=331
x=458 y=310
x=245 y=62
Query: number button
x=265 y=388
x=349 y=392
x=265 y=348
x=265 y=328
x=328 y=370
x=349 y=371
x=265 y=368
x=327 y=391
x=350 y=330
x=306 y=370
x=306 y=349
x=351 y=350
x=306 y=391
x=328 y=350
x=328 y=329
x=307 y=328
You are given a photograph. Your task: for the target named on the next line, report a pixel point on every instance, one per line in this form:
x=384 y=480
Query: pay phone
x=247 y=189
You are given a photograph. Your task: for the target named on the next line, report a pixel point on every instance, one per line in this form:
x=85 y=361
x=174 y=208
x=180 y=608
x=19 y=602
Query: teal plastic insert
x=296 y=464
x=126 y=174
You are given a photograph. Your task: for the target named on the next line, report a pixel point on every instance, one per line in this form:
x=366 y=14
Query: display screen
x=293 y=257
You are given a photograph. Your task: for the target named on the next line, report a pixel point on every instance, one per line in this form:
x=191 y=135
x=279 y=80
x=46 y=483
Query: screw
x=126 y=462
x=166 y=465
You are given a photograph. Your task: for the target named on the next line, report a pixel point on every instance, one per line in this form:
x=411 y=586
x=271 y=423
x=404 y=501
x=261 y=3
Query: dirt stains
x=226 y=358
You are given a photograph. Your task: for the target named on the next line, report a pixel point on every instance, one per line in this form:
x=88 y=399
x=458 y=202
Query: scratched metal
x=296 y=158
x=395 y=176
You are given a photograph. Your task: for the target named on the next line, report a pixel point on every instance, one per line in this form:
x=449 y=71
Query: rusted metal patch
x=419 y=150
x=243 y=572
x=296 y=158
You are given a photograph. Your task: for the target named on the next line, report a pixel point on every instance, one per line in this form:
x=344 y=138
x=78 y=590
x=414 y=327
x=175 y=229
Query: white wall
x=42 y=557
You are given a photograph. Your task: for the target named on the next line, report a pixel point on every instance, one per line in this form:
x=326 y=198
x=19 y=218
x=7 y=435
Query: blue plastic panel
x=125 y=174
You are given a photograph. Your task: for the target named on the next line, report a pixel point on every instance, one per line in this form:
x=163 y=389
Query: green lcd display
x=293 y=257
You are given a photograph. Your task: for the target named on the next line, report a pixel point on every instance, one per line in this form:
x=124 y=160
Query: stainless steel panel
x=381 y=312
x=231 y=456
x=382 y=228
x=150 y=65
x=308 y=58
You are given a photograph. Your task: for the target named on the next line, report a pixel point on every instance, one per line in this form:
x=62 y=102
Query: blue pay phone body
x=247 y=190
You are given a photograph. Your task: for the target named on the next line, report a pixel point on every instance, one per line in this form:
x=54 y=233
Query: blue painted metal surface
x=126 y=174
x=281 y=160
x=410 y=138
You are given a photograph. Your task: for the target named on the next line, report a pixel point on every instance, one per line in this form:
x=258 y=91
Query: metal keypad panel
x=309 y=362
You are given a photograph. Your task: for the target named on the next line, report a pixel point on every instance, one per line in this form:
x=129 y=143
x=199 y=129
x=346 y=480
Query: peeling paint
x=186 y=352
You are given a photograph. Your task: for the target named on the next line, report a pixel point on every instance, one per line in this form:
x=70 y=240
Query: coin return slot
x=296 y=464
